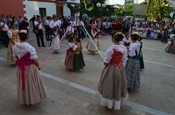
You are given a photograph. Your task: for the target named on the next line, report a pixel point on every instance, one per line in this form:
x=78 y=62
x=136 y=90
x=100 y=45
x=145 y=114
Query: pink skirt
x=34 y=90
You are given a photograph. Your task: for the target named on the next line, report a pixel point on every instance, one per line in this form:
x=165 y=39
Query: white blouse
x=40 y=26
x=121 y=48
x=21 y=48
x=133 y=48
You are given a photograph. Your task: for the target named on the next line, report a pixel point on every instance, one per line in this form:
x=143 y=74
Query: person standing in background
x=39 y=35
x=4 y=28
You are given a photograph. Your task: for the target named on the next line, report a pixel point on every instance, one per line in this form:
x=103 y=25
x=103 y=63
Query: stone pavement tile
x=138 y=112
x=12 y=104
x=30 y=110
x=146 y=113
x=6 y=83
x=5 y=95
x=2 y=108
x=94 y=113
x=77 y=105
x=55 y=108
x=7 y=112
x=58 y=96
x=93 y=107
x=85 y=104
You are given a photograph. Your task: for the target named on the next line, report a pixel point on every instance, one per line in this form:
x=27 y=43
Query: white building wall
x=32 y=8
x=66 y=10
x=73 y=1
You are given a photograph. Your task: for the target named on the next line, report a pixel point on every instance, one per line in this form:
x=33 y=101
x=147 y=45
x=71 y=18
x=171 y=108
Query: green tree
x=127 y=11
x=89 y=6
x=159 y=9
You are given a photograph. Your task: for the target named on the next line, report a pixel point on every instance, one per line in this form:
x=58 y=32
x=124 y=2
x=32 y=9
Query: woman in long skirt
x=90 y=45
x=14 y=38
x=112 y=87
x=69 y=59
x=78 y=61
x=133 y=64
x=30 y=89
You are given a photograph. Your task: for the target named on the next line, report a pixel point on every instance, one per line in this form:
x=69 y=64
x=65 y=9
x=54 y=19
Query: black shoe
x=43 y=46
x=39 y=46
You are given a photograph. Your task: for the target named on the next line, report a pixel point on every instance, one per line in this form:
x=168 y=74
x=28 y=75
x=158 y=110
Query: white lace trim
x=112 y=103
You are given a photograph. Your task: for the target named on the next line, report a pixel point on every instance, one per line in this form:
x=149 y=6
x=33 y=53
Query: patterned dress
x=133 y=66
x=112 y=87
x=30 y=89
x=13 y=36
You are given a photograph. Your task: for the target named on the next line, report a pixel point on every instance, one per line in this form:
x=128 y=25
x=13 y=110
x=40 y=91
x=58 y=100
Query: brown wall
x=12 y=7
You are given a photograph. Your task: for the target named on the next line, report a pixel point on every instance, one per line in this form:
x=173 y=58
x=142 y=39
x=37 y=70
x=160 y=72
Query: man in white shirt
x=4 y=28
x=47 y=28
x=39 y=35
x=70 y=31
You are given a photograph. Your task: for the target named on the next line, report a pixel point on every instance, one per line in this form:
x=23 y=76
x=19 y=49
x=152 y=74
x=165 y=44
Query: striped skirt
x=34 y=90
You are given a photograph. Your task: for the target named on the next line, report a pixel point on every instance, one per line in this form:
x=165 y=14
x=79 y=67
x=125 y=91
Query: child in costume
x=78 y=61
x=133 y=64
x=90 y=45
x=141 y=53
x=112 y=87
x=55 y=44
x=70 y=55
x=30 y=89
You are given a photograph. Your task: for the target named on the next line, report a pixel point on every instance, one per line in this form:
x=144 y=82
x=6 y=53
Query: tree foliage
x=89 y=7
x=159 y=9
x=127 y=11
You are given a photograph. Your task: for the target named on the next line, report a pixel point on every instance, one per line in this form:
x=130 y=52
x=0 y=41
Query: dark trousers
x=39 y=37
x=5 y=38
x=47 y=30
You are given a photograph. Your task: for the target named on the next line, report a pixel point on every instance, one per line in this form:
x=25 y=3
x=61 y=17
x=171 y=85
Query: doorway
x=59 y=8
x=42 y=12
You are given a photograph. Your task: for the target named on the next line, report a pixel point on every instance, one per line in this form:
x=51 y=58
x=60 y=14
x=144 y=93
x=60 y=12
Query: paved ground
x=73 y=93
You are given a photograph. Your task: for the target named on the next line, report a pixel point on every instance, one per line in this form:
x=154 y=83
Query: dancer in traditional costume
x=30 y=89
x=126 y=40
x=78 y=62
x=133 y=64
x=141 y=53
x=90 y=45
x=70 y=55
x=112 y=87
x=55 y=44
x=14 y=38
